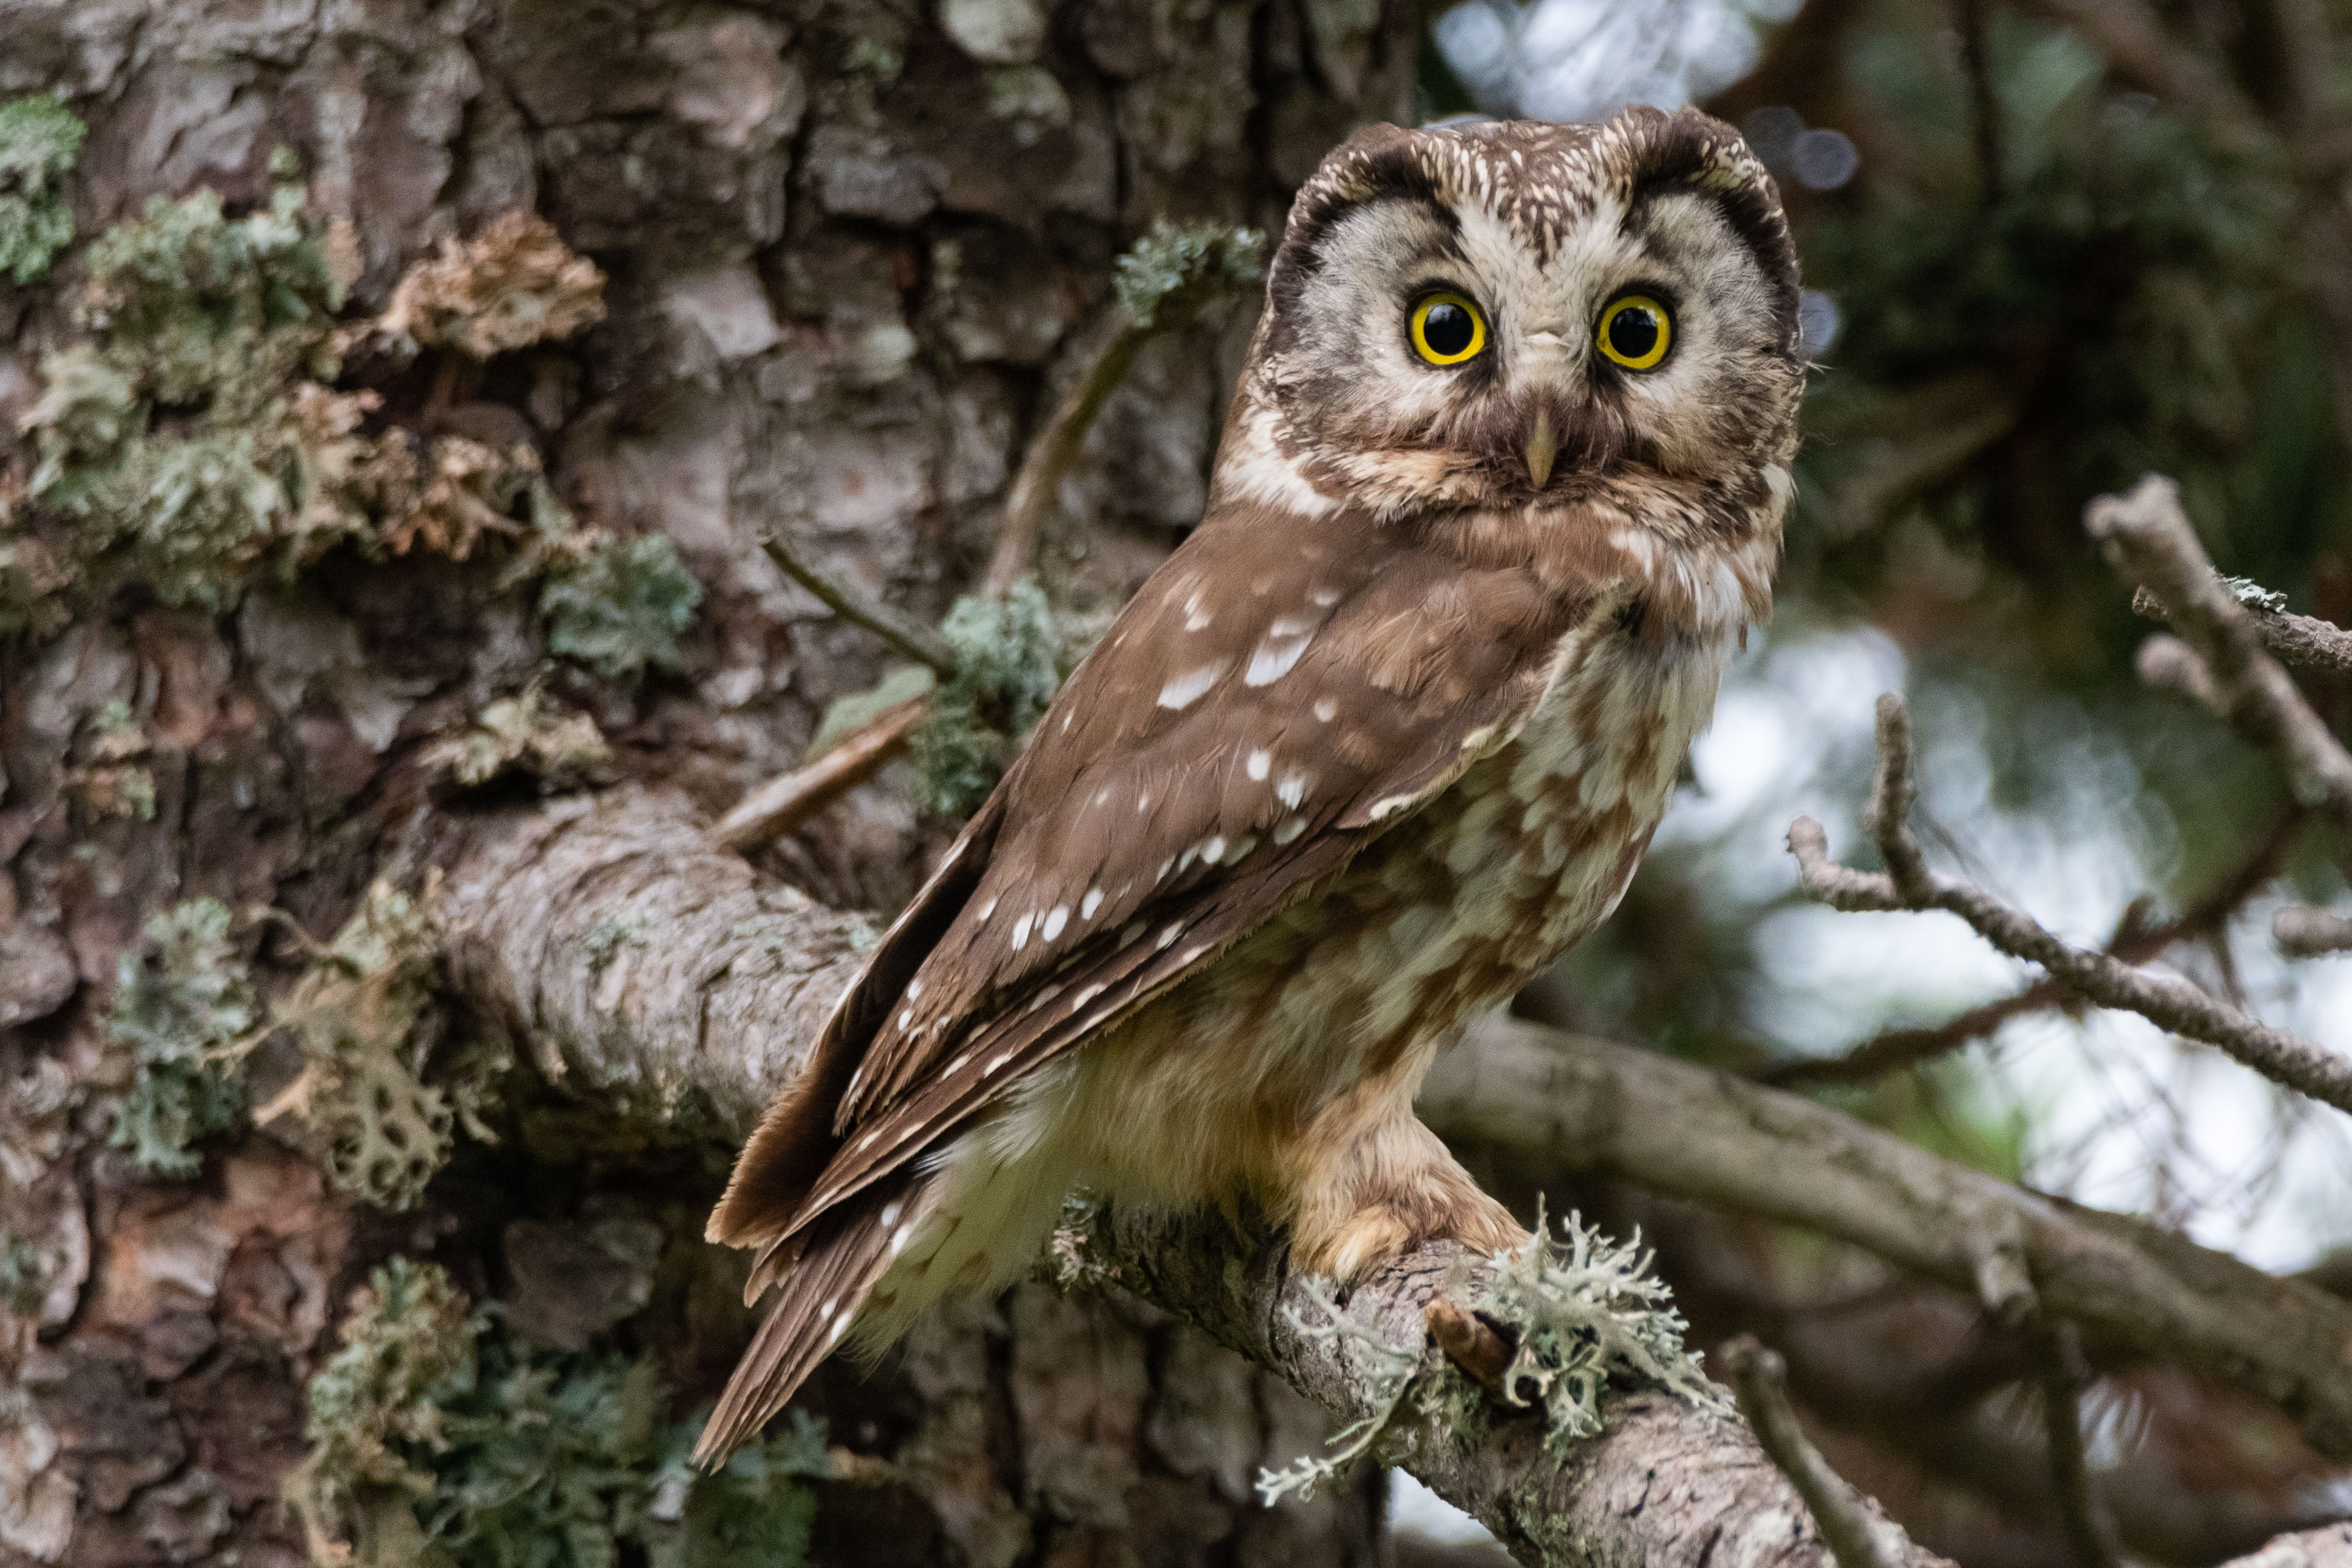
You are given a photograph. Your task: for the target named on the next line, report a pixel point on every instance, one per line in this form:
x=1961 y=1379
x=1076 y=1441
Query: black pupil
x=1448 y=329
x=1634 y=331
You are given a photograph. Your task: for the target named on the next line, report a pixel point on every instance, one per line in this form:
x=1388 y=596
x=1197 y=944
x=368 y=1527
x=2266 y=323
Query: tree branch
x=2167 y=1000
x=699 y=1022
x=1892 y=1049
x=2058 y=1353
x=2301 y=642
x=1718 y=1140
x=2149 y=540
x=1761 y=1378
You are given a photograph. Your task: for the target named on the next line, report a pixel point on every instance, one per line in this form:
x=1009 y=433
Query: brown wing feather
x=845 y=1257
x=1282 y=689
x=795 y=1139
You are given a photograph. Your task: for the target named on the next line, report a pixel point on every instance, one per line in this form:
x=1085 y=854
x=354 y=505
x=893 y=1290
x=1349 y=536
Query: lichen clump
x=1006 y=672
x=41 y=138
x=1176 y=269
x=617 y=605
x=367 y=1020
x=183 y=1006
x=437 y=1439
x=514 y=284
x=1586 y=1313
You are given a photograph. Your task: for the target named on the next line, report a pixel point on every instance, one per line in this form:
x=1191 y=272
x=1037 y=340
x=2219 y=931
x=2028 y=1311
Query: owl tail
x=827 y=1272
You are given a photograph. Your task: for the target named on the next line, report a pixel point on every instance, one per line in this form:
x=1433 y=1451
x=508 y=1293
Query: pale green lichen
x=183 y=1006
x=225 y=324
x=618 y=605
x=24 y=1279
x=527 y=734
x=609 y=936
x=107 y=780
x=1007 y=669
x=1584 y=1311
x=367 y=1021
x=1176 y=269
x=437 y=1440
x=41 y=138
x=845 y=714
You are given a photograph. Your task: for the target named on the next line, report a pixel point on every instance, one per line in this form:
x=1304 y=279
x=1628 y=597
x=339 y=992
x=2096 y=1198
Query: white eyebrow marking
x=1259 y=761
x=1325 y=709
x=1186 y=689
x=1021 y=932
x=1088 y=905
x=1057 y=917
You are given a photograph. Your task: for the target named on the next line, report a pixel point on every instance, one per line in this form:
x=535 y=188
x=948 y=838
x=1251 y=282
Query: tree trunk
x=846 y=250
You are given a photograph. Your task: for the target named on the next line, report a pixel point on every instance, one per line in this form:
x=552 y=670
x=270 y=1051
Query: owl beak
x=1542 y=448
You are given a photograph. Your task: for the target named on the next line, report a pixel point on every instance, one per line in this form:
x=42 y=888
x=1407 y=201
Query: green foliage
x=843 y=714
x=39 y=140
x=183 y=1006
x=1176 y=269
x=434 y=1441
x=1006 y=674
x=618 y=605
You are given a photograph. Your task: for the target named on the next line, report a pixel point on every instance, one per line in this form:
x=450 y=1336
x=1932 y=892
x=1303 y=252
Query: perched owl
x=1500 y=491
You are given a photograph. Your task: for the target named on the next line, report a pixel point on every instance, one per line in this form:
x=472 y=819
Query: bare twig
x=2303 y=932
x=1107 y=355
x=1847 y=1521
x=1535 y=1094
x=2149 y=538
x=781 y=804
x=2167 y=1000
x=1892 y=1049
x=2062 y=1372
x=910 y=636
x=2303 y=642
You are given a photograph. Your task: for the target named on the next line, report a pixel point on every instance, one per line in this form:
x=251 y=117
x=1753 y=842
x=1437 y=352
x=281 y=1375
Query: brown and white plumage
x=1386 y=735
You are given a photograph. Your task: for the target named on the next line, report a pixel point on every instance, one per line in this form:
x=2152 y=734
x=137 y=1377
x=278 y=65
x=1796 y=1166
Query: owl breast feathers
x=1499 y=492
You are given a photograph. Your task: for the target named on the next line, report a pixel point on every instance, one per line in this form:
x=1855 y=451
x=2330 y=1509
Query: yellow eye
x=1447 y=329
x=1635 y=331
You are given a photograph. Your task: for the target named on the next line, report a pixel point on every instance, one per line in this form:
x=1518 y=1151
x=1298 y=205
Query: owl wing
x=1282 y=689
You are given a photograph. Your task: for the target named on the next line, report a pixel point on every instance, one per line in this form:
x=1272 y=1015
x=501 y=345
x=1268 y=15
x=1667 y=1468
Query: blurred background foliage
x=2030 y=280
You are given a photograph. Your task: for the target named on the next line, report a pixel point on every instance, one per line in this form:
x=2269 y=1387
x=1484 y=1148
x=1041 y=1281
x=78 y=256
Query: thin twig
x=1854 y=1537
x=777 y=807
x=2062 y=1372
x=1893 y=1050
x=2303 y=642
x=2149 y=540
x=2167 y=1000
x=1109 y=352
x=910 y=636
x=2303 y=932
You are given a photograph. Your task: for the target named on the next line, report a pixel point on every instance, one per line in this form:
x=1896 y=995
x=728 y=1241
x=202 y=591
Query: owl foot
x=1470 y=1342
x=1381 y=1193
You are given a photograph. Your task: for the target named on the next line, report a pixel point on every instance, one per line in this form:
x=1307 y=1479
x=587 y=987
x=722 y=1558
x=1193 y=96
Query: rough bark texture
x=848 y=247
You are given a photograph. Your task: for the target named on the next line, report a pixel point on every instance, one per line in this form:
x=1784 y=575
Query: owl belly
x=1352 y=991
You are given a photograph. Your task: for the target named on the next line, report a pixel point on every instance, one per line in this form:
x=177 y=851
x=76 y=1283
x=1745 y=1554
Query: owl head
x=1509 y=314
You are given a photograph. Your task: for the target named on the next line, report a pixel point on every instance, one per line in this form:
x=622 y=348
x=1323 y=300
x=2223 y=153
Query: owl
x=1499 y=493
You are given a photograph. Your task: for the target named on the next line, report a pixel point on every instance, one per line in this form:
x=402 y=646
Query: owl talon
x=1470 y=1344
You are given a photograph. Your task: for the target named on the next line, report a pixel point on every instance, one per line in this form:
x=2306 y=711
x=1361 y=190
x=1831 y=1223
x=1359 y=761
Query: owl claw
x=1470 y=1344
